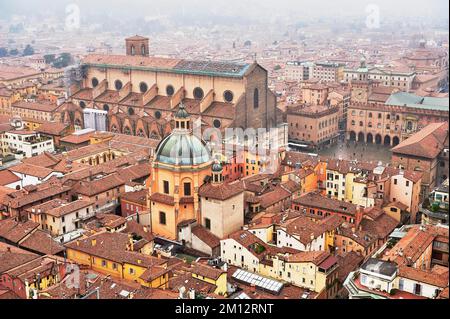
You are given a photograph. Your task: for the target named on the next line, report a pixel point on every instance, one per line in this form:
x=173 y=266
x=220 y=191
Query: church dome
x=182 y=149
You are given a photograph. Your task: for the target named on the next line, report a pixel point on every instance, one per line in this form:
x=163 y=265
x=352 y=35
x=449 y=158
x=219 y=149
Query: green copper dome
x=181 y=148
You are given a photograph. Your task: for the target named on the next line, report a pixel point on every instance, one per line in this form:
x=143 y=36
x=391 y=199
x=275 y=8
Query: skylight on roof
x=267 y=284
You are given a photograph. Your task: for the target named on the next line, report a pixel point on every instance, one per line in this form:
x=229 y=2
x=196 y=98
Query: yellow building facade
x=181 y=164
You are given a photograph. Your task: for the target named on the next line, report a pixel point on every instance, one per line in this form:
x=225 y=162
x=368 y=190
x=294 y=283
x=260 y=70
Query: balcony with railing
x=434 y=211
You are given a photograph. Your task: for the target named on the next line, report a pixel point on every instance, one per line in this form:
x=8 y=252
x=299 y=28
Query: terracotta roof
x=304 y=228
x=363 y=238
x=31 y=170
x=77 y=139
x=154 y=272
x=222 y=191
x=36 y=106
x=42 y=243
x=274 y=196
x=138 y=197
x=185 y=279
x=10 y=259
x=315 y=257
x=7 y=177
x=413 y=244
x=52 y=128
x=58 y=207
x=207 y=271
x=426 y=143
x=14 y=231
x=138 y=229
x=248 y=240
x=382 y=226
x=45 y=190
x=44 y=159
x=399 y=205
x=206 y=236
x=94 y=187
x=162 y=198
x=113 y=246
x=348 y=262
x=316 y=200
x=428 y=277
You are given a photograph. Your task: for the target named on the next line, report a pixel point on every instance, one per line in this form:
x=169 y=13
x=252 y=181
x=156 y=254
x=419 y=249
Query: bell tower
x=137 y=45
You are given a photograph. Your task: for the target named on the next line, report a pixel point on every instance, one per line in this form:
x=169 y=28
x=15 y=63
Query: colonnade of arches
x=370 y=138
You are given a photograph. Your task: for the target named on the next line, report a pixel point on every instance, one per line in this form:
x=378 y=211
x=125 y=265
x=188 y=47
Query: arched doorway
x=370 y=138
x=395 y=140
x=387 y=140
x=378 y=139
x=352 y=136
x=361 y=137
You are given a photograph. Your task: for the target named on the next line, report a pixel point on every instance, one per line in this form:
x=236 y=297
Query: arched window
x=143 y=87
x=130 y=111
x=361 y=123
x=370 y=114
x=133 y=50
x=256 y=98
x=353 y=122
x=143 y=51
x=118 y=84
x=198 y=93
x=106 y=107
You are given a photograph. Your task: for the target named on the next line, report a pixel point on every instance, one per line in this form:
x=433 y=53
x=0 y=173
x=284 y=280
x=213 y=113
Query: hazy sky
x=253 y=9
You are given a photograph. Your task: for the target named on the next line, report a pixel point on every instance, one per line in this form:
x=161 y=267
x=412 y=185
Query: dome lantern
x=217 y=170
x=182 y=118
